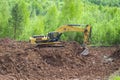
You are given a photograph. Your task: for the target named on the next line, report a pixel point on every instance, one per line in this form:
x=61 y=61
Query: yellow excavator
x=53 y=37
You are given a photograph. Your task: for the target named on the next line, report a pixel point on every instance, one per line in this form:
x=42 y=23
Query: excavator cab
x=54 y=36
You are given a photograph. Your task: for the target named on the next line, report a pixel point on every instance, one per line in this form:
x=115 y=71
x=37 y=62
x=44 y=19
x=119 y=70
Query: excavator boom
x=86 y=30
x=67 y=28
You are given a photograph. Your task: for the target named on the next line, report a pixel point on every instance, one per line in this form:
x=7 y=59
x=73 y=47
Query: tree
x=19 y=18
x=4 y=16
x=52 y=18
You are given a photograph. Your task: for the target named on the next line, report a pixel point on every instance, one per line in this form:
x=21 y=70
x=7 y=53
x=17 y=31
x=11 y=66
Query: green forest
x=20 y=19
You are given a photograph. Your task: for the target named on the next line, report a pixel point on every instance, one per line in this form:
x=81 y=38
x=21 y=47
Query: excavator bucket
x=85 y=52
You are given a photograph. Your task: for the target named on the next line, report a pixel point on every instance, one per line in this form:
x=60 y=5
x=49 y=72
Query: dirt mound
x=21 y=60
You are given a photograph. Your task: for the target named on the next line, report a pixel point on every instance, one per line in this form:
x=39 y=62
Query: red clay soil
x=23 y=61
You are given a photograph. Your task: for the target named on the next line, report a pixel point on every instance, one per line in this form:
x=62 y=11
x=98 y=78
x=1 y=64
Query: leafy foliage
x=115 y=78
x=4 y=17
x=110 y=3
x=21 y=19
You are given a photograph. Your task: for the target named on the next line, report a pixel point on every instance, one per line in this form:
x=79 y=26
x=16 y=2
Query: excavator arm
x=86 y=30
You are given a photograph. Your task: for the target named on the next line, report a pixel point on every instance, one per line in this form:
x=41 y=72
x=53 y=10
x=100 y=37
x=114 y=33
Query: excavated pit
x=21 y=60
